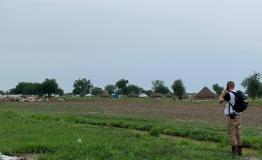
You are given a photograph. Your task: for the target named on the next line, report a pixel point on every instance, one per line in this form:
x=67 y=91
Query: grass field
x=124 y=129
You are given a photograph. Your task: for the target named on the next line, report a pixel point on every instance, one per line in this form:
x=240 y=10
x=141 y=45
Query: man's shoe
x=239 y=150
x=234 y=151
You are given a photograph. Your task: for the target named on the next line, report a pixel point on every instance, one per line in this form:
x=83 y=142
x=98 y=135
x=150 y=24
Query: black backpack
x=241 y=103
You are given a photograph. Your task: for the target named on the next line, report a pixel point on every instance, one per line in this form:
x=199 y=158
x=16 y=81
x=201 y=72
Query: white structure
x=143 y=96
x=89 y=95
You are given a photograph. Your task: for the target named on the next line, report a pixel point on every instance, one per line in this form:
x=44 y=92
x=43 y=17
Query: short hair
x=230 y=84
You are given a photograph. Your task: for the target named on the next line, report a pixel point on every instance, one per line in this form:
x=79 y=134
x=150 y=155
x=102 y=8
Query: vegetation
x=110 y=89
x=82 y=87
x=121 y=86
x=48 y=87
x=58 y=131
x=179 y=88
x=133 y=89
x=218 y=89
x=50 y=137
x=96 y=91
x=160 y=87
x=253 y=85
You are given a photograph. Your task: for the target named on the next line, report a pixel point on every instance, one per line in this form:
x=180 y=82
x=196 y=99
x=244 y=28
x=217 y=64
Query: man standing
x=233 y=118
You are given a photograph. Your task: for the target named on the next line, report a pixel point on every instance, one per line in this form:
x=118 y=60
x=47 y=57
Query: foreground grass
x=58 y=140
x=121 y=129
x=56 y=136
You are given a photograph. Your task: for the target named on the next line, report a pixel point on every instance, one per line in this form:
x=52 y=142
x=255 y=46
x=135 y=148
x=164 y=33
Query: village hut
x=205 y=93
x=169 y=95
x=143 y=95
x=156 y=95
x=133 y=95
x=105 y=94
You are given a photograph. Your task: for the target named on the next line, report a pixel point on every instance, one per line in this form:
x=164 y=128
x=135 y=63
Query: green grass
x=57 y=139
x=198 y=131
x=53 y=133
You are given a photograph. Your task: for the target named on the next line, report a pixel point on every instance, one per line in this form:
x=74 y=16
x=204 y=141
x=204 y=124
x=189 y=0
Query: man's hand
x=224 y=92
x=221 y=97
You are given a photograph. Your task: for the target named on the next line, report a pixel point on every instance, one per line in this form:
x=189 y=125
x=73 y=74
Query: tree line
x=252 y=84
x=83 y=86
x=47 y=87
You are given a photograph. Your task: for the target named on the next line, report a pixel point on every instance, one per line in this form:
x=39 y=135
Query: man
x=233 y=118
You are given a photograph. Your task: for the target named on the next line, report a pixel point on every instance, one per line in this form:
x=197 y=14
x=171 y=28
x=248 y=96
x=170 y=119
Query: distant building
x=133 y=95
x=156 y=95
x=115 y=95
x=205 y=93
x=143 y=95
x=105 y=94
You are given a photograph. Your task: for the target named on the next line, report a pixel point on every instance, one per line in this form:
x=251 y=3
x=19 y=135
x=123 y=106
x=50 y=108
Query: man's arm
x=221 y=97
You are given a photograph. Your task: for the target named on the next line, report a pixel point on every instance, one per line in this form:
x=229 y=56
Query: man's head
x=230 y=85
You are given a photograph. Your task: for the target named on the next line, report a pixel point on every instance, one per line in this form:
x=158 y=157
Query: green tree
x=121 y=86
x=260 y=90
x=82 y=87
x=23 y=88
x=96 y=91
x=179 y=88
x=2 y=92
x=50 y=87
x=159 y=87
x=110 y=89
x=252 y=85
x=13 y=91
x=39 y=89
x=148 y=92
x=133 y=89
x=60 y=92
x=218 y=89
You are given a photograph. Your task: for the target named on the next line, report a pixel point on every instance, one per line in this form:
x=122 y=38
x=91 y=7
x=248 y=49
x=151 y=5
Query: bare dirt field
x=167 y=110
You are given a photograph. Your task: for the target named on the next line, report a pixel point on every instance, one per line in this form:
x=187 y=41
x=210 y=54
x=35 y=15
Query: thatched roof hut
x=133 y=95
x=156 y=95
x=105 y=94
x=169 y=95
x=205 y=93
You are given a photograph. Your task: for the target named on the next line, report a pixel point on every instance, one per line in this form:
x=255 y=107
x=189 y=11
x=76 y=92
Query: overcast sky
x=202 y=42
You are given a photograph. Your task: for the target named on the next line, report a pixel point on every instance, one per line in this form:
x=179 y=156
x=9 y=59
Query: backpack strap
x=232 y=116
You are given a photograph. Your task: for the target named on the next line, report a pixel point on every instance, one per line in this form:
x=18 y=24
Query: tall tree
x=2 y=92
x=50 y=87
x=110 y=89
x=252 y=84
x=96 y=91
x=179 y=88
x=148 y=92
x=218 y=89
x=82 y=87
x=122 y=86
x=159 y=87
x=39 y=89
x=133 y=89
x=60 y=92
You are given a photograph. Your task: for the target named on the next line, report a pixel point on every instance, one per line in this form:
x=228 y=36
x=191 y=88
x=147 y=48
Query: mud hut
x=168 y=95
x=205 y=93
x=133 y=95
x=156 y=95
x=105 y=94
